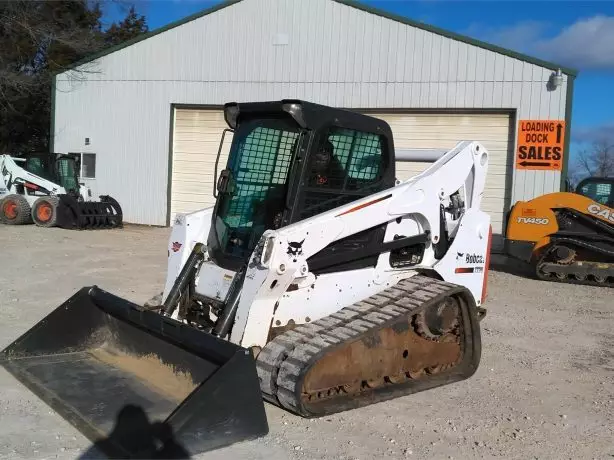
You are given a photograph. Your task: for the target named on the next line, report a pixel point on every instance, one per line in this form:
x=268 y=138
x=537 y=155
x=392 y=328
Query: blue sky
x=572 y=33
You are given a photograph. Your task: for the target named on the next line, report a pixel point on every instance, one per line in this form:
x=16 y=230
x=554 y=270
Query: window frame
x=79 y=157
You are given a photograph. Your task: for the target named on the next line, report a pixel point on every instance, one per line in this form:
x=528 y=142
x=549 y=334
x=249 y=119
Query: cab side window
x=601 y=192
x=346 y=165
x=347 y=160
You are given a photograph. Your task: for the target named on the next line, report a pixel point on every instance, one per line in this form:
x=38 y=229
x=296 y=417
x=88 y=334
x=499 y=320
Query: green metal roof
x=351 y=3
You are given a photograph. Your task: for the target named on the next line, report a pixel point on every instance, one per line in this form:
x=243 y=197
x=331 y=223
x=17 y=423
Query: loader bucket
x=88 y=215
x=133 y=381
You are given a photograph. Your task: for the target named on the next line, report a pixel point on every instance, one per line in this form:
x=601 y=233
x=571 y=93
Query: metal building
x=146 y=117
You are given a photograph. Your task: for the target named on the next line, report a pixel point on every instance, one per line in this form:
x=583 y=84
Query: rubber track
x=281 y=361
x=570 y=279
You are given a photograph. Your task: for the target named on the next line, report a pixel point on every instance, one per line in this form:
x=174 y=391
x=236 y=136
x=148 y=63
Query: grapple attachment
x=136 y=383
x=84 y=215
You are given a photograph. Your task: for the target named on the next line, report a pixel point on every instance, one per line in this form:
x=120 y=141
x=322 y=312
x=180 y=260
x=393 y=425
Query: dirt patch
x=152 y=371
x=602 y=357
x=525 y=401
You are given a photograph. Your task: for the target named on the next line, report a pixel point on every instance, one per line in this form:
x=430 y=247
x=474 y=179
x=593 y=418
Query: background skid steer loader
x=316 y=282
x=567 y=237
x=45 y=190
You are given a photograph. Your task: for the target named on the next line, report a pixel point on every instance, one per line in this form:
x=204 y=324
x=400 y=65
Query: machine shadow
x=134 y=436
x=501 y=263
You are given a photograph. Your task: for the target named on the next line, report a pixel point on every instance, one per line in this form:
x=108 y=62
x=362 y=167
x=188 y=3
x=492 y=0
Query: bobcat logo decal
x=295 y=248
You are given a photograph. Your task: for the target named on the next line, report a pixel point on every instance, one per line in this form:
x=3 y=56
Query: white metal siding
x=335 y=54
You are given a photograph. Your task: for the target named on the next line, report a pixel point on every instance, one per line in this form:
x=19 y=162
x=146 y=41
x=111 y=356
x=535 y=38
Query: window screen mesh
x=599 y=192
x=259 y=168
x=67 y=174
x=363 y=150
x=263 y=162
x=356 y=164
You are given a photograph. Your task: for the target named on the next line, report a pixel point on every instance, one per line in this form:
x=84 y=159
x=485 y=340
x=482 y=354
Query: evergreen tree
x=132 y=26
x=38 y=39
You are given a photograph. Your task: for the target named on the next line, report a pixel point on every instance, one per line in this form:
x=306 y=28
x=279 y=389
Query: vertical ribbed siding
x=336 y=55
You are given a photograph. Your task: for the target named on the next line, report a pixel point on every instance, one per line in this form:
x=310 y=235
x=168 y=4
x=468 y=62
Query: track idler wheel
x=433 y=323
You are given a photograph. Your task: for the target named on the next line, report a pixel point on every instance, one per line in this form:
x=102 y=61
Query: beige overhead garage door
x=443 y=131
x=197 y=135
x=196 y=139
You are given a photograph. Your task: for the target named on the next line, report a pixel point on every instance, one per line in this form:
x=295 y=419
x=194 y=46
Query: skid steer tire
x=15 y=210
x=45 y=211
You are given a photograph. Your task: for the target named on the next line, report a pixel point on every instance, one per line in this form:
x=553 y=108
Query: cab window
x=347 y=160
x=600 y=191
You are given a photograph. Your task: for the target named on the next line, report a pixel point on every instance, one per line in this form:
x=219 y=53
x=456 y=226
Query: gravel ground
x=544 y=388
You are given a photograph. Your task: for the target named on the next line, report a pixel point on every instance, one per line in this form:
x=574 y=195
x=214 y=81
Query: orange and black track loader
x=567 y=236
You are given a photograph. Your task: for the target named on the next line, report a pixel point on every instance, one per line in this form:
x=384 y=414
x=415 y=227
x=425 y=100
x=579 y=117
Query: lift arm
x=281 y=256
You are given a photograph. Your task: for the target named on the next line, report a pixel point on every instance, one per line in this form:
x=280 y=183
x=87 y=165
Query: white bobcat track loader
x=44 y=189
x=316 y=282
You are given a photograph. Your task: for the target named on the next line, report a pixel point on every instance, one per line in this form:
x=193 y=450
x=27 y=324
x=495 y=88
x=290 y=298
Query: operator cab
x=59 y=169
x=291 y=160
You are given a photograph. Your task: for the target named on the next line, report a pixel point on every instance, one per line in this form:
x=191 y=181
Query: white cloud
x=590 y=134
x=586 y=44
x=519 y=36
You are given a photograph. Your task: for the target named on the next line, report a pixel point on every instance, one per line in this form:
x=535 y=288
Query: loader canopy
x=128 y=378
x=61 y=171
x=290 y=160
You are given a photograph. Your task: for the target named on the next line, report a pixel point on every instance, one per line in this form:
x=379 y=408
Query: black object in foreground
x=97 y=354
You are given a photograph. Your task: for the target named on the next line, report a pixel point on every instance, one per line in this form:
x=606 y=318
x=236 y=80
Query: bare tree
x=40 y=38
x=595 y=161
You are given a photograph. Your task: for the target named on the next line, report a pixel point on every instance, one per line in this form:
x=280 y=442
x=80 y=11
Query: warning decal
x=540 y=145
